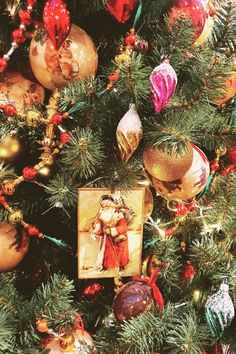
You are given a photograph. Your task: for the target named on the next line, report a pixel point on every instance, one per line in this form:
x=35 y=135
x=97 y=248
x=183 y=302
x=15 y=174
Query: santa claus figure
x=111 y=226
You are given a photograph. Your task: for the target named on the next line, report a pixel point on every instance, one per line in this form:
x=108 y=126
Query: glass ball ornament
x=19 y=91
x=10 y=148
x=76 y=59
x=190 y=184
x=14 y=245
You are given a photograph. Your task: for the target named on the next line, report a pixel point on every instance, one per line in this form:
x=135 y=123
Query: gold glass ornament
x=167 y=167
x=42 y=325
x=67 y=342
x=20 y=92
x=13 y=246
x=8 y=186
x=15 y=217
x=209 y=24
x=33 y=118
x=10 y=148
x=76 y=59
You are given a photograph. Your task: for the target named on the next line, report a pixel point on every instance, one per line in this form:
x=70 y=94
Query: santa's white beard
x=108 y=216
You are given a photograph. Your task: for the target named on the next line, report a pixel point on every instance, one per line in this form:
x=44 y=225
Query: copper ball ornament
x=19 y=91
x=13 y=246
x=76 y=59
x=167 y=167
x=190 y=184
x=132 y=299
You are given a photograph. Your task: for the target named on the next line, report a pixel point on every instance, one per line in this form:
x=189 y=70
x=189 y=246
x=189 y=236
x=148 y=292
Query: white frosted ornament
x=129 y=133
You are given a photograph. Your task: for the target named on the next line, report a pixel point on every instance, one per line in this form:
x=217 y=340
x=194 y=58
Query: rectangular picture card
x=110 y=232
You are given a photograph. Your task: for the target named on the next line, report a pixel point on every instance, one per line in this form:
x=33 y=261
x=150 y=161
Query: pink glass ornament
x=56 y=20
x=163 y=84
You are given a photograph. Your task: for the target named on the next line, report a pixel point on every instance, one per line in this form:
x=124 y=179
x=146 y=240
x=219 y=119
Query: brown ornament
x=129 y=133
x=13 y=246
x=167 y=167
x=133 y=299
x=76 y=59
x=20 y=92
x=42 y=325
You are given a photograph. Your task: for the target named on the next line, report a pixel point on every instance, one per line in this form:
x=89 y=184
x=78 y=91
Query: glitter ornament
x=121 y=9
x=167 y=167
x=193 y=10
x=76 y=59
x=219 y=311
x=190 y=184
x=21 y=92
x=13 y=246
x=163 y=84
x=129 y=133
x=56 y=20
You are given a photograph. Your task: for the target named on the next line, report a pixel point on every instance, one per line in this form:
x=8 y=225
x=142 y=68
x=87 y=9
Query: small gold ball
x=33 y=118
x=42 y=325
x=221 y=151
x=15 y=217
x=8 y=186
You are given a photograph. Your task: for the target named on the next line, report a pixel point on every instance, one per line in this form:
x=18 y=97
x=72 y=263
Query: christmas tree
x=118 y=188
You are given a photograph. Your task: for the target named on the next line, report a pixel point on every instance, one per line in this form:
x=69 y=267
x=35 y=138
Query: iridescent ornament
x=129 y=133
x=219 y=311
x=163 y=84
x=76 y=59
x=190 y=184
x=56 y=20
x=13 y=246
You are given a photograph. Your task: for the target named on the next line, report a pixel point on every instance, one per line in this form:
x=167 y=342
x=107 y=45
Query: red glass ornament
x=193 y=10
x=29 y=173
x=121 y=9
x=3 y=64
x=31 y=2
x=56 y=19
x=188 y=272
x=232 y=153
x=25 y=17
x=56 y=119
x=64 y=138
x=9 y=110
x=33 y=231
x=3 y=200
x=18 y=36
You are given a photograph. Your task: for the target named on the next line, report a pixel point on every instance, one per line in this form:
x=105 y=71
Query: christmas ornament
x=76 y=60
x=163 y=84
x=20 y=92
x=13 y=246
x=190 y=9
x=148 y=204
x=129 y=133
x=136 y=297
x=15 y=217
x=190 y=184
x=121 y=9
x=167 y=167
x=10 y=148
x=92 y=289
x=83 y=344
x=227 y=91
x=141 y=45
x=42 y=325
x=209 y=24
x=219 y=311
x=56 y=20
x=188 y=273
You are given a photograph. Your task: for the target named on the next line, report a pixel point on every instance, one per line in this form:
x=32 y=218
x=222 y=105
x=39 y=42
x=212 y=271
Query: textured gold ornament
x=8 y=186
x=33 y=118
x=42 y=325
x=124 y=59
x=15 y=217
x=67 y=342
x=129 y=133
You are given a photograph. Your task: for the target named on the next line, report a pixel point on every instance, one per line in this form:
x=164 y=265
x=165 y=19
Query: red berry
x=56 y=119
x=215 y=166
x=3 y=200
x=9 y=110
x=182 y=210
x=33 y=231
x=169 y=232
x=3 y=64
x=64 y=138
x=130 y=40
x=18 y=36
x=25 y=17
x=29 y=173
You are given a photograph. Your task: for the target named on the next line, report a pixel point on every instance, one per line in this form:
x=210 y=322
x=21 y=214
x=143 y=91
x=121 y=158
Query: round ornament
x=167 y=167
x=193 y=10
x=133 y=299
x=206 y=32
x=82 y=344
x=13 y=246
x=76 y=59
x=20 y=92
x=190 y=184
x=227 y=91
x=10 y=148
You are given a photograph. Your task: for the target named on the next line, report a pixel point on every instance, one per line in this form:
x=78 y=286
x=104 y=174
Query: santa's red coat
x=115 y=254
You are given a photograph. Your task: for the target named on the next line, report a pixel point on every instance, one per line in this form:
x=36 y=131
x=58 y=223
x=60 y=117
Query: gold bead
x=15 y=217
x=8 y=186
x=42 y=325
x=67 y=342
x=33 y=118
x=221 y=151
x=44 y=171
x=196 y=296
x=47 y=158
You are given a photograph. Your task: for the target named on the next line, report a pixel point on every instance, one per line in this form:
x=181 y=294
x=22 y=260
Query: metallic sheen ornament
x=219 y=311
